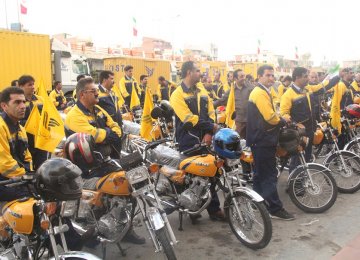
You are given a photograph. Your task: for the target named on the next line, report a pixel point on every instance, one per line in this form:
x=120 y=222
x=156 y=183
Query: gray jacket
x=241 y=101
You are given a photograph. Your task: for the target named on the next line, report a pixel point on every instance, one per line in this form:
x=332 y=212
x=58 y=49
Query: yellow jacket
x=57 y=98
x=274 y=96
x=355 y=85
x=126 y=86
x=342 y=97
x=263 y=123
x=281 y=90
x=80 y=120
x=165 y=92
x=15 y=158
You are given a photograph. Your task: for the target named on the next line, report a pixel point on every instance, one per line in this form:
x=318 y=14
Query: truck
x=249 y=67
x=142 y=66
x=35 y=54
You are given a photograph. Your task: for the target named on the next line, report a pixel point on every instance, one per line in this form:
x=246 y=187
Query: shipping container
x=249 y=67
x=24 y=53
x=210 y=67
x=153 y=68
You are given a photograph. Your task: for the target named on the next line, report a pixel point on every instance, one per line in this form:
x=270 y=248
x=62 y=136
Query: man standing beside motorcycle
x=262 y=135
x=298 y=104
x=191 y=103
x=87 y=117
x=15 y=158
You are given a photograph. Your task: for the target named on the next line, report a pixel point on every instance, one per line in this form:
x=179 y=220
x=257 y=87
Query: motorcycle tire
x=248 y=211
x=353 y=147
x=300 y=190
x=167 y=248
x=351 y=182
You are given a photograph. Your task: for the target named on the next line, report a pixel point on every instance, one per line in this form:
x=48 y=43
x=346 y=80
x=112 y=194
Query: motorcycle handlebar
x=195 y=148
x=156 y=143
x=10 y=181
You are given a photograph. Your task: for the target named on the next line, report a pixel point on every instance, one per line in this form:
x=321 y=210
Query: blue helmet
x=227 y=143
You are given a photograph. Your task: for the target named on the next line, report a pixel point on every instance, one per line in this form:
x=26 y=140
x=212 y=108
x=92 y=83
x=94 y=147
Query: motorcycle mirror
x=156 y=112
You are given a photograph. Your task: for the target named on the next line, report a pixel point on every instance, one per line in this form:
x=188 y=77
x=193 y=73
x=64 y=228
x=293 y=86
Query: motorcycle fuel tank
x=114 y=183
x=200 y=165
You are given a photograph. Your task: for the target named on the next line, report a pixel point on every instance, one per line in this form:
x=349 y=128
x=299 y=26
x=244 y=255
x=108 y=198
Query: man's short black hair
x=161 y=78
x=287 y=78
x=24 y=79
x=298 y=72
x=105 y=74
x=249 y=77
x=142 y=77
x=128 y=67
x=261 y=70
x=236 y=72
x=5 y=94
x=13 y=83
x=187 y=65
x=56 y=83
x=81 y=76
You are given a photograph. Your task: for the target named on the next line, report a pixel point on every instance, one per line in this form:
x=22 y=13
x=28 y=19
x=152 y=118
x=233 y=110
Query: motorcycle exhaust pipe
x=163 y=202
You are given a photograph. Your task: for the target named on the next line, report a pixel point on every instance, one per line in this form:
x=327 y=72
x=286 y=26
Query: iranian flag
x=134 y=27
x=23 y=7
x=258 y=49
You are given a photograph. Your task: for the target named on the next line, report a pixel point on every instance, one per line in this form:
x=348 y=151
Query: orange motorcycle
x=33 y=227
x=184 y=180
x=112 y=190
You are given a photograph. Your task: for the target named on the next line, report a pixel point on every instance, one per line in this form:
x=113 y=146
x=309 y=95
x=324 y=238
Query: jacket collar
x=85 y=110
x=12 y=127
x=297 y=89
x=264 y=88
x=188 y=90
x=102 y=89
x=33 y=97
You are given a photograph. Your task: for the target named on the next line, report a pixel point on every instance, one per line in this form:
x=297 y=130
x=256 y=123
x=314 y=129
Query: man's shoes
x=134 y=238
x=194 y=218
x=217 y=216
x=283 y=215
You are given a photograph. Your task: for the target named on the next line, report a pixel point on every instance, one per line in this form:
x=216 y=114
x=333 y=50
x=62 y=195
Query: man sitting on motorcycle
x=15 y=158
x=87 y=117
x=191 y=103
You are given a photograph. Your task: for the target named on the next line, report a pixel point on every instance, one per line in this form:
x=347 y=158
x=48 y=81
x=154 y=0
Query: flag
x=135 y=101
x=296 y=53
x=51 y=127
x=23 y=8
x=117 y=92
x=32 y=123
x=134 y=27
x=146 y=119
x=258 y=49
x=230 y=109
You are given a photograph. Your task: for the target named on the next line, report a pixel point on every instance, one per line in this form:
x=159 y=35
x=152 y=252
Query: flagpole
x=6 y=15
x=18 y=12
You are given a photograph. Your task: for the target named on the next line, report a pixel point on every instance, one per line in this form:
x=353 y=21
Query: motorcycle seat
x=90 y=184
x=165 y=155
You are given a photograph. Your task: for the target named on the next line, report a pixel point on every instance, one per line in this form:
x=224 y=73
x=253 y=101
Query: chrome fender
x=356 y=140
x=301 y=166
x=252 y=194
x=155 y=218
x=77 y=255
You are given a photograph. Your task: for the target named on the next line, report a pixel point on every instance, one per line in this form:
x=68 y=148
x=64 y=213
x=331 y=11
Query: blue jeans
x=265 y=177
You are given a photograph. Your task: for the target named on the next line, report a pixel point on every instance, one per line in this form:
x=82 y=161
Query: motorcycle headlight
x=232 y=162
x=137 y=175
x=68 y=208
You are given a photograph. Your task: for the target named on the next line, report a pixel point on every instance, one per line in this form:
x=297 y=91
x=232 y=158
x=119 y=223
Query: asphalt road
x=309 y=236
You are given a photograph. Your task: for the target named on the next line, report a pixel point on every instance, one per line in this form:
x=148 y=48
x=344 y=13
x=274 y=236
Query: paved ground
x=310 y=236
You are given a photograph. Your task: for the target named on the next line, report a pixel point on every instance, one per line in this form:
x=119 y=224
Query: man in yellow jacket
x=15 y=158
x=57 y=96
x=128 y=84
x=164 y=89
x=342 y=97
x=262 y=135
x=27 y=83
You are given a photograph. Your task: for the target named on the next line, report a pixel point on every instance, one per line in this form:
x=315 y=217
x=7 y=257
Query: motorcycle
x=183 y=184
x=33 y=227
x=108 y=204
x=311 y=186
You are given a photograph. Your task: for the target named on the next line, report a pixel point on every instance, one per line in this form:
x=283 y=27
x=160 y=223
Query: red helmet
x=353 y=110
x=79 y=149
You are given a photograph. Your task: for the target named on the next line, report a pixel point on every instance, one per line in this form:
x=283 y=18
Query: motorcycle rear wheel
x=244 y=230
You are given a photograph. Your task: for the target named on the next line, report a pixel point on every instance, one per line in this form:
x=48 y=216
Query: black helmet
x=79 y=149
x=289 y=140
x=58 y=179
x=168 y=111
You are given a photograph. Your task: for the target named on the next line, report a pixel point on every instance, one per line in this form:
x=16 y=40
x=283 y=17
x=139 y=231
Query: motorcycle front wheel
x=347 y=174
x=315 y=197
x=167 y=248
x=254 y=229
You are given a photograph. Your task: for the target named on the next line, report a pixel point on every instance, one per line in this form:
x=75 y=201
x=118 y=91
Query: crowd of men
x=262 y=107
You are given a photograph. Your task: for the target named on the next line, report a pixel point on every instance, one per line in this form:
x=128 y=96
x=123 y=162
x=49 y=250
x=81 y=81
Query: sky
x=326 y=29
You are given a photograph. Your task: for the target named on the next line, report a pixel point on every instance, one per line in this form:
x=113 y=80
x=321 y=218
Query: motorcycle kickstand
x=122 y=251
x=181 y=221
x=103 y=250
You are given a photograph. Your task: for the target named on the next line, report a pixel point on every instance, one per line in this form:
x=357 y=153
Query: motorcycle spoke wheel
x=254 y=229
